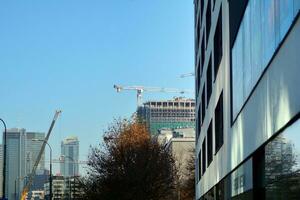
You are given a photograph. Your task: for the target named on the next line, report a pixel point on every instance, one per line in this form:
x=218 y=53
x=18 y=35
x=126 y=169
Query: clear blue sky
x=67 y=54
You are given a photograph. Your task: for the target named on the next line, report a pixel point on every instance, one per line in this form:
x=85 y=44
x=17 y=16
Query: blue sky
x=68 y=54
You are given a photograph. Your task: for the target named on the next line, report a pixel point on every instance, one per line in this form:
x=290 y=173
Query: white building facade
x=247 y=68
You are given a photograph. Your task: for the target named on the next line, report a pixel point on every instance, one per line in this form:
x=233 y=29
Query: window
x=198 y=78
x=219 y=124
x=262 y=29
x=208 y=21
x=209 y=80
x=199 y=121
x=202 y=54
x=198 y=32
x=218 y=44
x=214 y=2
x=203 y=157
x=203 y=104
x=201 y=8
x=282 y=165
x=209 y=144
x=199 y=166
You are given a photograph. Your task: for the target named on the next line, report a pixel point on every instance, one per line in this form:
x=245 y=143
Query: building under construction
x=176 y=113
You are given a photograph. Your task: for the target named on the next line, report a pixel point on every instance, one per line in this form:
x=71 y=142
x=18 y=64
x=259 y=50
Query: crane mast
x=32 y=174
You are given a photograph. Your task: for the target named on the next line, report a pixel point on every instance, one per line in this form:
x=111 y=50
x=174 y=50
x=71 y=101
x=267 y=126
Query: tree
x=129 y=165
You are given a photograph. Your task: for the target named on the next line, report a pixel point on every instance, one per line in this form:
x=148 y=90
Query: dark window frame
x=203 y=156
x=218 y=44
x=207 y=21
x=199 y=166
x=219 y=124
x=209 y=82
x=203 y=104
x=209 y=144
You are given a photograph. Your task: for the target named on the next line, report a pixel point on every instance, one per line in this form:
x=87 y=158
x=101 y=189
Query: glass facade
x=262 y=29
x=282 y=165
x=70 y=151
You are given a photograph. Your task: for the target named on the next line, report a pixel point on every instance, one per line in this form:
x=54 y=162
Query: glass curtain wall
x=263 y=27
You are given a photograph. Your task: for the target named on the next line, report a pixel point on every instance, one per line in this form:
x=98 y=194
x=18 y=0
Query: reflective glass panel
x=241 y=179
x=247 y=54
x=256 y=46
x=268 y=30
x=286 y=16
x=282 y=165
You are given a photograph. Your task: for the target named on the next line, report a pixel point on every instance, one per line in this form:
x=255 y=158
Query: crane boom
x=32 y=174
x=141 y=89
x=187 y=75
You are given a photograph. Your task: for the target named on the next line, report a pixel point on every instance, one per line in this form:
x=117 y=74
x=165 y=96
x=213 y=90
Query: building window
x=282 y=165
x=242 y=181
x=209 y=144
x=199 y=166
x=201 y=8
x=218 y=44
x=214 y=3
x=199 y=120
x=203 y=157
x=209 y=80
x=198 y=78
x=198 y=32
x=262 y=29
x=219 y=124
x=207 y=21
x=203 y=104
x=202 y=55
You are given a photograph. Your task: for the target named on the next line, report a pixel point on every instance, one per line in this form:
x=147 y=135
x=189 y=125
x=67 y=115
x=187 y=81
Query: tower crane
x=140 y=89
x=32 y=174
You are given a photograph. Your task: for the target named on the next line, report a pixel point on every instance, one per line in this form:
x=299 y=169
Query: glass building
x=22 y=153
x=247 y=68
x=70 y=153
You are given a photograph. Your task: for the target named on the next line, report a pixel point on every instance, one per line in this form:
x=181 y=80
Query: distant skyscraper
x=175 y=113
x=15 y=161
x=22 y=153
x=70 y=151
x=33 y=149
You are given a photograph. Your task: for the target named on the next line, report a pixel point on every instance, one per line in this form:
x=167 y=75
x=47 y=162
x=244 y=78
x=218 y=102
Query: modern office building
x=33 y=148
x=70 y=154
x=247 y=68
x=176 y=113
x=15 y=162
x=21 y=155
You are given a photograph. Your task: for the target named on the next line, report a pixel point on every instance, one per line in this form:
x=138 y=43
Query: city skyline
x=80 y=69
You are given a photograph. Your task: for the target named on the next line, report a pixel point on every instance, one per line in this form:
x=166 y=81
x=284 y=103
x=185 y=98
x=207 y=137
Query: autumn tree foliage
x=129 y=165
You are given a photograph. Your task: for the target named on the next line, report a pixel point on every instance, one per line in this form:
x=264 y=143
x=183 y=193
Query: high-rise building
x=70 y=154
x=15 y=162
x=247 y=68
x=21 y=154
x=33 y=148
x=175 y=113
